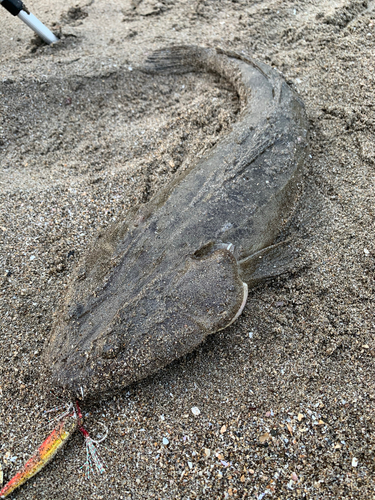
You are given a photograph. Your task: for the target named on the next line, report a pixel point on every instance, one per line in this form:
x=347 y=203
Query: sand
x=286 y=394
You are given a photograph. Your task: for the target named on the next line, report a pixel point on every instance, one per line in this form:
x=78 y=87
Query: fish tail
x=176 y=59
x=186 y=58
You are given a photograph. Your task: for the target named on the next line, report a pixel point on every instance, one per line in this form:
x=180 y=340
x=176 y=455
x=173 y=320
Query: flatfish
x=155 y=284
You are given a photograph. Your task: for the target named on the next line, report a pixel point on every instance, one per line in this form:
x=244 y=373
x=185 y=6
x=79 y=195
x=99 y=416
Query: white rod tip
x=39 y=28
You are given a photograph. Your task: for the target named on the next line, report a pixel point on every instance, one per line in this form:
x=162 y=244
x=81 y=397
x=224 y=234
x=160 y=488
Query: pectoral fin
x=270 y=262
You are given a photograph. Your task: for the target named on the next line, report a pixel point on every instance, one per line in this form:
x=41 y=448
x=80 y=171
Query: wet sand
x=286 y=394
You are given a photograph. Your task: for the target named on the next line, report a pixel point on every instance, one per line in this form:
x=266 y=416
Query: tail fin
x=186 y=58
x=177 y=59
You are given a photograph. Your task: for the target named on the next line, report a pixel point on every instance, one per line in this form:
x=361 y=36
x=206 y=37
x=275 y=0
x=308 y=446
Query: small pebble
x=195 y=411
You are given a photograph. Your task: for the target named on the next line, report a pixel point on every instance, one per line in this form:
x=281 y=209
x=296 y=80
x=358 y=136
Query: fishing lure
x=69 y=422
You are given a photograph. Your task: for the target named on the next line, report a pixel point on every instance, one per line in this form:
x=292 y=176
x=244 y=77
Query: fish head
x=107 y=337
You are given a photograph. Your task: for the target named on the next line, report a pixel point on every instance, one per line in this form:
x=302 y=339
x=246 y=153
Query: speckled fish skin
x=156 y=284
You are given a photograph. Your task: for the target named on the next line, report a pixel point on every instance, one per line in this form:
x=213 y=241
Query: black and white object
x=17 y=8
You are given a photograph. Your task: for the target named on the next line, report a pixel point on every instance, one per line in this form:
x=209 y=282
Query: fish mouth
x=243 y=303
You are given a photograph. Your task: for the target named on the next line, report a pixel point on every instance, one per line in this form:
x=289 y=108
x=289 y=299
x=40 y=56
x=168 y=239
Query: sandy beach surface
x=285 y=396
